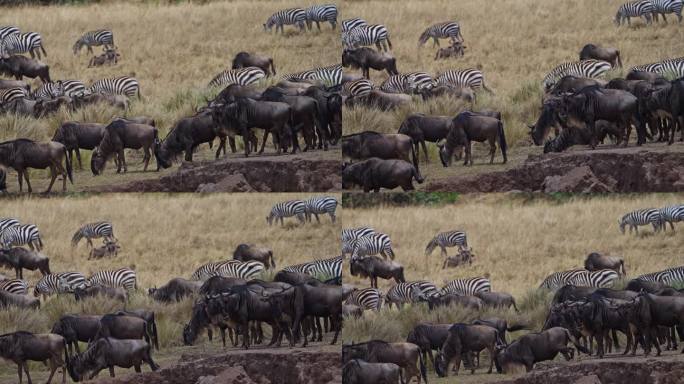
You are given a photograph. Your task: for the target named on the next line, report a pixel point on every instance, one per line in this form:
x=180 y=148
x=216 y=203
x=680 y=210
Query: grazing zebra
x=467 y=287
x=63 y=282
x=291 y=16
x=446 y=30
x=643 y=8
x=8 y=30
x=667 y=6
x=240 y=76
x=331 y=268
x=447 y=239
x=673 y=275
x=241 y=269
x=16 y=286
x=349 y=236
x=377 y=243
x=358 y=87
x=671 y=214
x=30 y=42
x=584 y=68
x=123 y=277
x=72 y=87
x=318 y=13
x=94 y=39
x=365 y=35
x=9 y=94
x=601 y=279
x=641 y=217
x=407 y=82
x=366 y=298
x=96 y=230
x=349 y=24
x=322 y=205
x=287 y=209
x=409 y=292
x=19 y=235
x=330 y=75
x=123 y=85
x=210 y=269
x=7 y=222
x=462 y=78
x=49 y=91
x=558 y=280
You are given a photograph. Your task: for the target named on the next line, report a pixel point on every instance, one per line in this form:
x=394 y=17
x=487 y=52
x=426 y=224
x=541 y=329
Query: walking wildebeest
x=247 y=252
x=357 y=371
x=609 y=54
x=110 y=353
x=421 y=128
x=367 y=144
x=365 y=58
x=375 y=173
x=596 y=261
x=75 y=328
x=21 y=258
x=329 y=112
x=463 y=339
x=21 y=154
x=468 y=127
x=246 y=59
x=374 y=267
x=175 y=290
x=405 y=355
x=20 y=347
x=20 y=66
x=75 y=136
x=119 y=135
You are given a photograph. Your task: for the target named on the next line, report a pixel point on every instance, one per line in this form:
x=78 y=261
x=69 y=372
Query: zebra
x=673 y=275
x=449 y=29
x=287 y=209
x=407 y=83
x=584 y=68
x=558 y=280
x=240 y=76
x=208 y=270
x=322 y=205
x=330 y=75
x=652 y=67
x=659 y=276
x=95 y=230
x=672 y=67
x=318 y=13
x=330 y=268
x=350 y=235
x=601 y=279
x=241 y=269
x=661 y=7
x=16 y=286
x=365 y=35
x=94 y=39
x=8 y=30
x=447 y=239
x=467 y=287
x=63 y=282
x=30 y=42
x=124 y=85
x=7 y=222
x=366 y=298
x=72 y=87
x=122 y=277
x=670 y=214
x=291 y=16
x=409 y=292
x=377 y=243
x=641 y=217
x=49 y=91
x=19 y=235
x=643 y=8
x=9 y=94
x=349 y=24
x=462 y=78
x=358 y=87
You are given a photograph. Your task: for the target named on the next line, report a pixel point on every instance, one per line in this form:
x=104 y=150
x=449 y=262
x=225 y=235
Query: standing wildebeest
x=247 y=252
x=374 y=267
x=651 y=311
x=246 y=59
x=366 y=58
x=357 y=371
x=570 y=83
x=8 y=299
x=497 y=299
x=329 y=113
x=175 y=290
x=405 y=355
x=118 y=135
x=122 y=327
x=117 y=101
x=609 y=54
x=465 y=94
x=596 y=261
x=20 y=66
x=20 y=347
x=21 y=258
x=75 y=136
x=668 y=102
x=75 y=328
x=304 y=116
x=21 y=154
x=380 y=100
x=374 y=173
x=421 y=128
x=110 y=353
x=367 y=144
x=6 y=84
x=185 y=136
x=151 y=322
x=500 y=325
x=468 y=127
x=81 y=293
x=463 y=339
x=319 y=301
x=428 y=337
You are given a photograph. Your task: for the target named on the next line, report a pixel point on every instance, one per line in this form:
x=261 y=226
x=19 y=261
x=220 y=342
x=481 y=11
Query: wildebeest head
x=354 y=351
x=547 y=119
x=161 y=154
x=80 y=364
x=97 y=161
x=444 y=155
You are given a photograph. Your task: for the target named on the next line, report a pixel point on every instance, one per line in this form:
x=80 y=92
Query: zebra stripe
x=123 y=277
x=19 y=235
x=287 y=209
x=318 y=13
x=672 y=67
x=73 y=87
x=447 y=30
x=358 y=87
x=94 y=39
x=407 y=82
x=240 y=76
x=371 y=245
x=584 y=68
x=7 y=222
x=320 y=204
x=410 y=292
x=600 y=279
x=29 y=42
x=659 y=276
x=365 y=35
x=63 y=282
x=462 y=78
x=643 y=8
x=366 y=298
x=467 y=287
x=241 y=269
x=16 y=286
x=331 y=267
x=558 y=280
x=641 y=217
x=8 y=30
x=210 y=269
x=123 y=85
x=331 y=75
x=661 y=7
x=349 y=24
x=49 y=91
x=652 y=67
x=447 y=239
x=673 y=275
x=100 y=229
x=350 y=235
x=9 y=94
x=291 y=16
x=671 y=214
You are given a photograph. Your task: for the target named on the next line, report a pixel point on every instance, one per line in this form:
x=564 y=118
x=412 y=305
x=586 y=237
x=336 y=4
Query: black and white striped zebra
x=320 y=205
x=447 y=30
x=329 y=268
x=349 y=236
x=208 y=270
x=8 y=30
x=9 y=94
x=240 y=76
x=584 y=68
x=321 y=13
x=445 y=240
x=118 y=278
x=462 y=78
x=365 y=35
x=410 y=292
x=16 y=286
x=63 y=282
x=643 y=8
x=661 y=7
x=672 y=67
x=377 y=243
x=411 y=82
x=48 y=91
x=558 y=280
x=600 y=279
x=659 y=276
x=7 y=222
x=124 y=85
x=366 y=298
x=358 y=87
x=467 y=287
x=73 y=87
x=30 y=42
x=291 y=16
x=652 y=67
x=641 y=217
x=672 y=276
x=19 y=235
x=95 y=39
x=287 y=209
x=90 y=231
x=331 y=75
x=670 y=214
x=241 y=269
x=349 y=24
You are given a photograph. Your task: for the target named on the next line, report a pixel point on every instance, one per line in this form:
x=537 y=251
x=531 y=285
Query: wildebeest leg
x=21 y=180
x=137 y=368
x=422 y=142
x=111 y=371
x=263 y=143
x=222 y=331
x=244 y=328
x=146 y=157
x=53 y=177
x=28 y=183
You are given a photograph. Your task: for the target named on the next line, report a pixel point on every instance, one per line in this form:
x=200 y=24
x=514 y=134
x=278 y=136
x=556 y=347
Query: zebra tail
x=272 y=66
x=622 y=266
x=430 y=247
x=67 y=161
x=502 y=141
x=389 y=43
x=43 y=49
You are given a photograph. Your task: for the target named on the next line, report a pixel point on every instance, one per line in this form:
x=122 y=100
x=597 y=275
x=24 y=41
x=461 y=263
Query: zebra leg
x=317 y=220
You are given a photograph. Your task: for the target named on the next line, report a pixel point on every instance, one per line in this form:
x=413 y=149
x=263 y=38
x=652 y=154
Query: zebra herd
x=330 y=75
x=303 y=18
x=649 y=10
x=657 y=218
x=303 y=210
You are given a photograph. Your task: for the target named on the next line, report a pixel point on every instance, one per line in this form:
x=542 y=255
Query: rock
x=230 y=183
x=577 y=180
x=591 y=379
x=233 y=375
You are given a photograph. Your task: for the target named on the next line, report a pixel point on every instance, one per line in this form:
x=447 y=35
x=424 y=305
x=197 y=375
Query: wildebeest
x=110 y=353
x=668 y=102
x=570 y=83
x=6 y=84
x=246 y=59
x=643 y=75
x=463 y=339
x=247 y=252
x=175 y=290
x=429 y=337
x=108 y=249
x=81 y=293
x=367 y=144
x=596 y=261
x=8 y=299
x=378 y=99
x=456 y=49
x=468 y=127
x=374 y=267
x=185 y=136
x=122 y=327
x=304 y=117
x=464 y=256
x=375 y=173
x=421 y=128
x=75 y=136
x=219 y=284
x=497 y=299
x=447 y=299
x=21 y=258
x=109 y=57
x=500 y=325
x=405 y=355
x=319 y=301
x=330 y=112
x=119 y=135
x=357 y=371
x=75 y=328
x=21 y=154
x=21 y=347
x=366 y=58
x=609 y=54
x=651 y=311
x=117 y=101
x=20 y=66
x=150 y=320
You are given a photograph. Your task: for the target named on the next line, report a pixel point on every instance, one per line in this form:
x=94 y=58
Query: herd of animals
x=227 y=294
x=584 y=306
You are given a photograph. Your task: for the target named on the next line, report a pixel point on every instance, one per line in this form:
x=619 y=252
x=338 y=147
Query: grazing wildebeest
x=185 y=136
x=464 y=256
x=119 y=135
x=497 y=299
x=466 y=94
x=596 y=261
x=609 y=54
x=374 y=173
x=463 y=339
x=469 y=126
x=20 y=347
x=548 y=118
x=447 y=299
x=108 y=249
x=81 y=293
x=110 y=353
x=357 y=371
x=570 y=83
x=247 y=252
x=653 y=287
x=117 y=101
x=3 y=182
x=20 y=66
x=429 y=337
x=246 y=59
x=21 y=154
x=75 y=328
x=456 y=49
x=366 y=58
x=374 y=267
x=175 y=290
x=8 y=299
x=367 y=144
x=380 y=100
x=421 y=128
x=109 y=57
x=500 y=325
x=405 y=355
x=21 y=258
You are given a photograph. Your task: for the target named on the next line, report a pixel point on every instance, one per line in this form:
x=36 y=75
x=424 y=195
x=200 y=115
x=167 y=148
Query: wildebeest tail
x=67 y=162
x=414 y=157
x=270 y=61
x=502 y=141
x=619 y=60
x=423 y=370
x=574 y=342
x=155 y=335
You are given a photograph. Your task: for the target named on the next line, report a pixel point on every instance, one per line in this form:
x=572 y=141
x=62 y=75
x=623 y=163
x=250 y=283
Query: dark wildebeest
x=572 y=83
x=201 y=318
x=8 y=299
x=175 y=290
x=367 y=144
x=117 y=101
x=378 y=99
x=109 y=57
x=497 y=299
x=232 y=92
x=3 y=183
x=185 y=136
x=122 y=327
x=596 y=261
x=219 y=284
x=535 y=347
x=668 y=102
x=469 y=126
x=643 y=75
x=454 y=50
x=463 y=339
x=365 y=58
x=304 y=113
x=651 y=311
x=500 y=325
x=21 y=154
x=653 y=287
x=464 y=256
x=374 y=173
x=571 y=293
x=609 y=54
x=548 y=118
x=406 y=355
x=20 y=66
x=75 y=136
x=447 y=299
x=110 y=353
x=108 y=249
x=421 y=128
x=119 y=135
x=150 y=320
x=247 y=252
x=330 y=112
x=374 y=267
x=429 y=337
x=465 y=94
x=357 y=371
x=246 y=59
x=295 y=278
x=75 y=328
x=319 y=301
x=81 y=293
x=21 y=258
x=20 y=347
